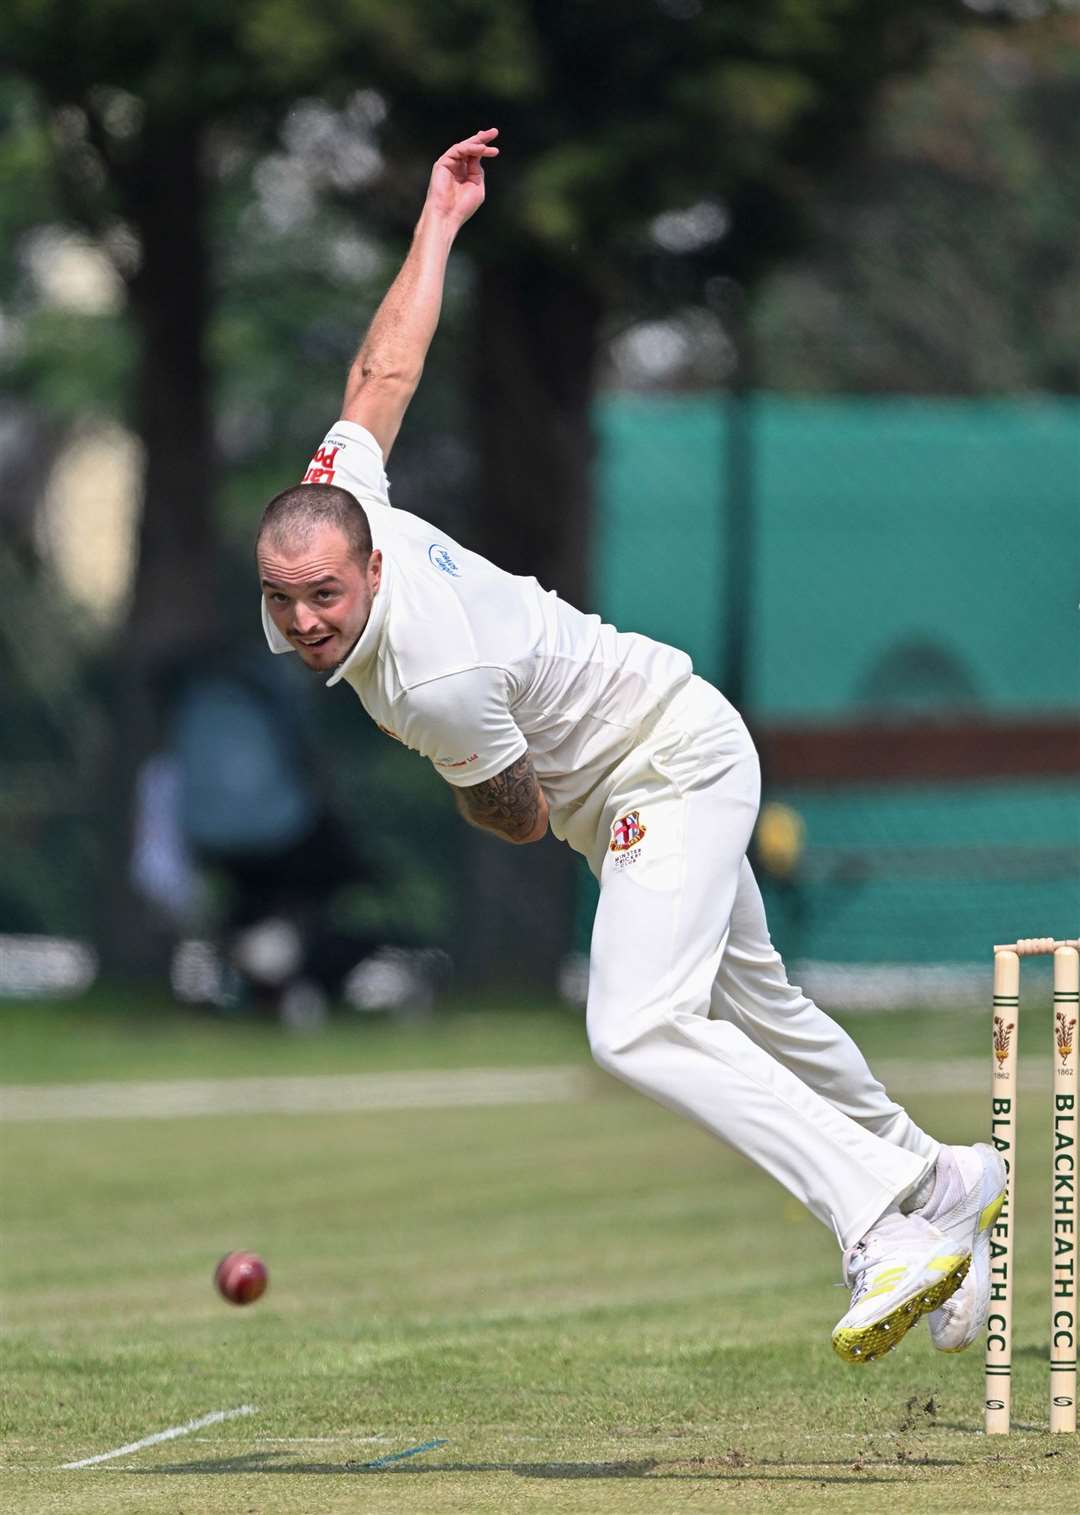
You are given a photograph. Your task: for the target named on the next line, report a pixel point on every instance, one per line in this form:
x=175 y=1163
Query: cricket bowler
x=539 y=716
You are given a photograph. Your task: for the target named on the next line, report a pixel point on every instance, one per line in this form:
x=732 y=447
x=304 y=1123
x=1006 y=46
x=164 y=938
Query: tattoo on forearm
x=509 y=803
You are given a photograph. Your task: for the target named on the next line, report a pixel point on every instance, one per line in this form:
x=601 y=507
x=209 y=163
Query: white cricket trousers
x=688 y=999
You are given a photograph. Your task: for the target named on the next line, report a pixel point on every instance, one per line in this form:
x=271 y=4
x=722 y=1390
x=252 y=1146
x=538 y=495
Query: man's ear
x=374 y=569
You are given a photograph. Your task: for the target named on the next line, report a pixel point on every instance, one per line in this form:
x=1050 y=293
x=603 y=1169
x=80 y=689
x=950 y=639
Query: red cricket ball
x=241 y=1277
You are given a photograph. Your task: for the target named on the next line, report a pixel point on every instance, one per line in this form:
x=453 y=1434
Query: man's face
x=319 y=597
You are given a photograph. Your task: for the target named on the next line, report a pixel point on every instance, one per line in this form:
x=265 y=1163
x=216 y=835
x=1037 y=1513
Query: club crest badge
x=1064 y=1035
x=627 y=831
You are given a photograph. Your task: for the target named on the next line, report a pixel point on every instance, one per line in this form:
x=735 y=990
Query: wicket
x=1063 y=1173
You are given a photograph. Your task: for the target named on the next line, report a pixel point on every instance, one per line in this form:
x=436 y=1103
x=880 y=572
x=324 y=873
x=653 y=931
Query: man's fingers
x=479 y=145
x=464 y=162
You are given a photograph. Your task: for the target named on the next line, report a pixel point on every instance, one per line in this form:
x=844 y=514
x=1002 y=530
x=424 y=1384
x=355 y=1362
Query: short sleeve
x=351 y=458
x=463 y=724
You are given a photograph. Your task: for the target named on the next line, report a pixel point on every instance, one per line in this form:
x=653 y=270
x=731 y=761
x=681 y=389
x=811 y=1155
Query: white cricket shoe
x=901 y=1270
x=968 y=1193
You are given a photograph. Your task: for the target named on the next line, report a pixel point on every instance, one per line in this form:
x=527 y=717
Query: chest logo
x=627 y=831
x=442 y=560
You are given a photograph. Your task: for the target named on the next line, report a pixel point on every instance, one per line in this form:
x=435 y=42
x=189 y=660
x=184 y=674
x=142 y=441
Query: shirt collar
x=368 y=641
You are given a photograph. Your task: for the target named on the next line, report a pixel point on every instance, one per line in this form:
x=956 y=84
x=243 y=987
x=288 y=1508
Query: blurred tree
x=129 y=95
x=646 y=142
x=56 y=364
x=25 y=204
x=946 y=260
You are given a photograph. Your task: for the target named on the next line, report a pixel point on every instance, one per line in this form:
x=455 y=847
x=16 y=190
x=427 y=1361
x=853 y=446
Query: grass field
x=587 y=1303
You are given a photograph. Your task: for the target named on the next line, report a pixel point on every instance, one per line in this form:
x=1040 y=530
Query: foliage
x=67 y=364
x=26 y=200
x=947 y=260
x=614 y=111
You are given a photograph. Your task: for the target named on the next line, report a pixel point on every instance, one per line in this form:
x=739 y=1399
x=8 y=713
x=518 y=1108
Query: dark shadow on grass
x=841 y=1462
x=973 y=1428
x=263 y=1462
x=718 y=1470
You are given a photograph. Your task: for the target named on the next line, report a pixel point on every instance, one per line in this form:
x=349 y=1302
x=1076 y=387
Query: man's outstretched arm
x=387 y=369
x=512 y=804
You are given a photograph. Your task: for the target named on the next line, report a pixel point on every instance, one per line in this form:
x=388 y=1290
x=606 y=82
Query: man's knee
x=617 y=1032
x=607 y=1048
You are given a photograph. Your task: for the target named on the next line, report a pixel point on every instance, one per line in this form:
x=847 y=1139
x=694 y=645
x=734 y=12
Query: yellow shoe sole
x=859 y=1344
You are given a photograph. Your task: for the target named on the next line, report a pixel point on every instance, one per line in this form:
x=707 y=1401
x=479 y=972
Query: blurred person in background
x=539 y=716
x=233 y=827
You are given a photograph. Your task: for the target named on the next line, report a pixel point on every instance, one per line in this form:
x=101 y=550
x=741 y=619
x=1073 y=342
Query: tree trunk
x=533 y=383
x=173 y=606
x=174 y=600
x=532 y=391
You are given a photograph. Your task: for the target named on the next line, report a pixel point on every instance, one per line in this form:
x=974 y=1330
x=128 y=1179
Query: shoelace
x=859 y=1263
x=856 y=1271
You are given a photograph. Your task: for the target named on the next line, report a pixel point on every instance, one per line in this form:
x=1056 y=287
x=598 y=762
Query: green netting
x=908 y=556
x=921 y=873
x=880 y=526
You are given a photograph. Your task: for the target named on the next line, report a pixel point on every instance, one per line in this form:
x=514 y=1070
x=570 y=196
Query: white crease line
x=322 y=1095
x=170 y=1435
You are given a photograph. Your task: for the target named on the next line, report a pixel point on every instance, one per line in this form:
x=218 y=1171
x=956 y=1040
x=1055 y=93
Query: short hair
x=293 y=516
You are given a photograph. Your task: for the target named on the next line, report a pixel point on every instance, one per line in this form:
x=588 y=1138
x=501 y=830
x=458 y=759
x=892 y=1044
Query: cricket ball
x=241 y=1277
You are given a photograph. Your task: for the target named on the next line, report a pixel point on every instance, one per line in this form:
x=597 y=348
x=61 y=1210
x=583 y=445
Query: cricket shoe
x=969 y=1190
x=901 y=1270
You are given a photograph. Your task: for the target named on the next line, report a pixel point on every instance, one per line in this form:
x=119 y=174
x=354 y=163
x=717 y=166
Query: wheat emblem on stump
x=1002 y=1033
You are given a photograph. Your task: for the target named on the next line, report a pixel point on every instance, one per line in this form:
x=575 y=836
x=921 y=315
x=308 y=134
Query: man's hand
x=456 y=188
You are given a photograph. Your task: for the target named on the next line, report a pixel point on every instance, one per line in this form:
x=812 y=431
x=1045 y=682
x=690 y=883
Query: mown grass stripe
x=323 y=1094
x=328 y=1094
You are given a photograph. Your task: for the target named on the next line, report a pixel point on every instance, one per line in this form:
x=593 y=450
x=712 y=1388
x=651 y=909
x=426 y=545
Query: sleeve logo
x=322 y=466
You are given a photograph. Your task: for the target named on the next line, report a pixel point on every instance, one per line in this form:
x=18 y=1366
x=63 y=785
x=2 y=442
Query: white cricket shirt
x=472 y=667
